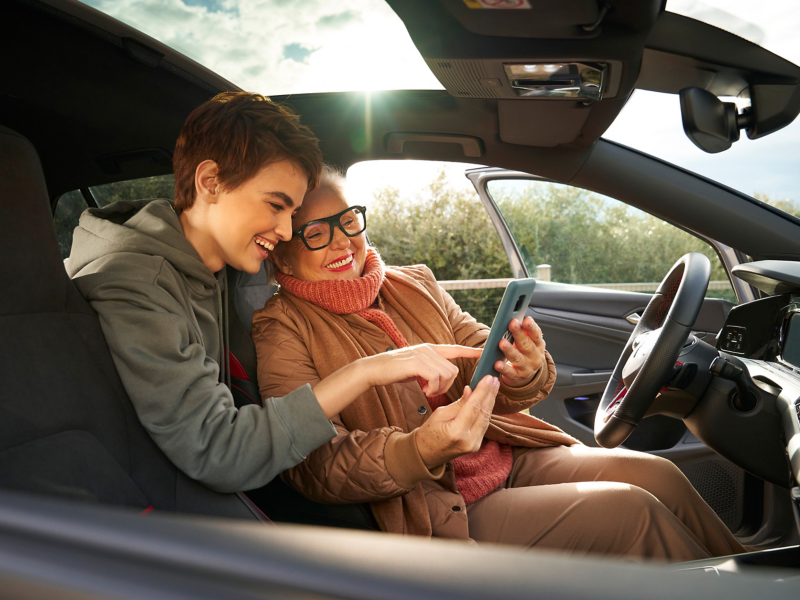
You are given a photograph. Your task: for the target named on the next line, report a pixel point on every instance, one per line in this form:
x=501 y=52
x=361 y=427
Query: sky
x=285 y=46
x=301 y=46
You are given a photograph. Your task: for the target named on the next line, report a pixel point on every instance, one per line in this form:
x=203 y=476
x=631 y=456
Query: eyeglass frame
x=334 y=221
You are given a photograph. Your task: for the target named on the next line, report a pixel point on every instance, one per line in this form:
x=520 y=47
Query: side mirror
x=711 y=124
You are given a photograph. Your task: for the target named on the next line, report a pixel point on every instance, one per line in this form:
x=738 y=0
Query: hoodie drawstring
x=224 y=329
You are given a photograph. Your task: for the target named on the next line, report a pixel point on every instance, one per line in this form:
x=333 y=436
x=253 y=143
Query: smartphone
x=514 y=304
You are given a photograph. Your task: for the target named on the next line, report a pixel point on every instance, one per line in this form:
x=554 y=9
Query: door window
x=571 y=235
x=428 y=212
x=68 y=211
x=160 y=186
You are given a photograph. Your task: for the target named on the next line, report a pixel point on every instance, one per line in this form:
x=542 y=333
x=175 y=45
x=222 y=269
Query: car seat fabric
x=67 y=426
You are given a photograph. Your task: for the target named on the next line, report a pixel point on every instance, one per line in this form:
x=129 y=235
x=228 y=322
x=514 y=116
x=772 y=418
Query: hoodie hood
x=130 y=240
x=149 y=227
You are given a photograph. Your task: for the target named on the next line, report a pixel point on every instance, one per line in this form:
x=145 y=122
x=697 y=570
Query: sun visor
x=544 y=123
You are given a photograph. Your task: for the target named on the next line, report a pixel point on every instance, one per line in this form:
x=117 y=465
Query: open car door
x=597 y=261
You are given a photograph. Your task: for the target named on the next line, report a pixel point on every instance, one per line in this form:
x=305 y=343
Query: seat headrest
x=31 y=268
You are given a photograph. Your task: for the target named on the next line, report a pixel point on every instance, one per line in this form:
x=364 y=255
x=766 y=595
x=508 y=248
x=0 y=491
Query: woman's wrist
x=341 y=387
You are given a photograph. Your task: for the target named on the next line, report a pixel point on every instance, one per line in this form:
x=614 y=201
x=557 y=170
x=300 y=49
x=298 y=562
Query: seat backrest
x=246 y=294
x=67 y=426
x=252 y=291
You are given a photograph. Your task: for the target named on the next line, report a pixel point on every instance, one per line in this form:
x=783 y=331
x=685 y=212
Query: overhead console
x=559 y=70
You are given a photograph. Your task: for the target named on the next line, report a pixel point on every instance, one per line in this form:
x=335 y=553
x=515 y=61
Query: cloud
x=285 y=47
x=212 y=5
x=297 y=53
x=339 y=19
x=720 y=18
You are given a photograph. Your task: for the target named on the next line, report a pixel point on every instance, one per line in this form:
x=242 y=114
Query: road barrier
x=486 y=284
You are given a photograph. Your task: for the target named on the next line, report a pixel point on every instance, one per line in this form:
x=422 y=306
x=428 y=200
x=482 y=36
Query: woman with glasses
x=425 y=460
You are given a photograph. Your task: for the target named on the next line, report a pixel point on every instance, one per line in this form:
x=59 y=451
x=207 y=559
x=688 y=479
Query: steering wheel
x=646 y=363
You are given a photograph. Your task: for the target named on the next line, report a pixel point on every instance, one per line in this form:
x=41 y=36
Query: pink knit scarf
x=476 y=474
x=340 y=296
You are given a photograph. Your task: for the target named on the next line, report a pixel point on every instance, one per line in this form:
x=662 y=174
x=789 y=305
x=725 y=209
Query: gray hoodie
x=161 y=310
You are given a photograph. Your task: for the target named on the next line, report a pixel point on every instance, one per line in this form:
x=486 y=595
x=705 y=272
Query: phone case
x=514 y=304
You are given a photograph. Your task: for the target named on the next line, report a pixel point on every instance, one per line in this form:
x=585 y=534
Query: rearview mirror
x=711 y=124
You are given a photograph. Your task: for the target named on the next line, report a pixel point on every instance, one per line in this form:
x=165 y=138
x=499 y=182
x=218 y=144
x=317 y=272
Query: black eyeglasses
x=318 y=234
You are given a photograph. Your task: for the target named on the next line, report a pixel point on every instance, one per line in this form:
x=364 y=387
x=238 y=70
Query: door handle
x=633 y=318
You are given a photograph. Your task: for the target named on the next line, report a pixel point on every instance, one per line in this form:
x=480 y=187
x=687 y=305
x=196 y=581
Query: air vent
x=466 y=78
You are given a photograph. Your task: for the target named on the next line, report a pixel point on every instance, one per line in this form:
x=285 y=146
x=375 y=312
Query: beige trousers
x=592 y=500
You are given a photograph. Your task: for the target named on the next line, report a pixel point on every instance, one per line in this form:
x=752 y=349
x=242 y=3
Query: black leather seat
x=278 y=500
x=67 y=427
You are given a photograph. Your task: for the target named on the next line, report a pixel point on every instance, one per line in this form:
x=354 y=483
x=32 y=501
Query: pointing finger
x=454 y=351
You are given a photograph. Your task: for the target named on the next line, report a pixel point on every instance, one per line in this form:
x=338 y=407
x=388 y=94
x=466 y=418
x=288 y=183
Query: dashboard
x=764 y=335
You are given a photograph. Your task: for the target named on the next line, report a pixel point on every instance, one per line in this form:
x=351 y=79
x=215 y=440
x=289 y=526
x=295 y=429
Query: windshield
x=765 y=168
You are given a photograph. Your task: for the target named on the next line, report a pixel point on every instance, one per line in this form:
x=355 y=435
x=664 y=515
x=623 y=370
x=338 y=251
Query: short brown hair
x=243 y=133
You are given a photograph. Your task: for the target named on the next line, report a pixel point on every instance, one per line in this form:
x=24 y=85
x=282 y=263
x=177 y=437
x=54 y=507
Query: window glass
x=428 y=212
x=68 y=211
x=71 y=205
x=283 y=47
x=570 y=235
x=160 y=186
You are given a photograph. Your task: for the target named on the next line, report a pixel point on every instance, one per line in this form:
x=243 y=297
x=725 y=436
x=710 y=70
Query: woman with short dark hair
x=156 y=276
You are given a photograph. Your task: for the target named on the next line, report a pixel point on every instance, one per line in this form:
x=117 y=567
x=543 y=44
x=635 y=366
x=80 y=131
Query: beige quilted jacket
x=369 y=466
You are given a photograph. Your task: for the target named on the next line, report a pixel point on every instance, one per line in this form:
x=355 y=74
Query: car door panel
x=586 y=328
x=586 y=331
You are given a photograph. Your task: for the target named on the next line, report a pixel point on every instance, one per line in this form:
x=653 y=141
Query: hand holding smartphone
x=514 y=304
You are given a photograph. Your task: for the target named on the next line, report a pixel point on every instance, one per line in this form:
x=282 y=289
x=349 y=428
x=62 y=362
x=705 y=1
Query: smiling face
x=240 y=227
x=343 y=259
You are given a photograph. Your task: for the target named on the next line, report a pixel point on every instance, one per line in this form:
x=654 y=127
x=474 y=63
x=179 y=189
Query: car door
x=597 y=262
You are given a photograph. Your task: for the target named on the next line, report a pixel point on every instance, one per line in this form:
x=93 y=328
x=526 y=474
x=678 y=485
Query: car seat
x=246 y=294
x=67 y=426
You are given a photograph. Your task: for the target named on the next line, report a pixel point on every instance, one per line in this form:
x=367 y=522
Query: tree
x=585 y=237
x=71 y=205
x=444 y=228
x=786 y=205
